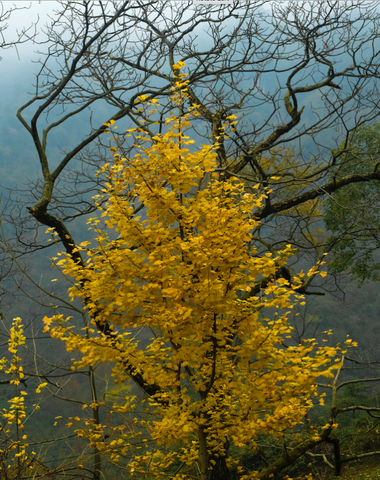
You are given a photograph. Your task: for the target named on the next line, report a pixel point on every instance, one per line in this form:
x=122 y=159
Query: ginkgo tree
x=216 y=372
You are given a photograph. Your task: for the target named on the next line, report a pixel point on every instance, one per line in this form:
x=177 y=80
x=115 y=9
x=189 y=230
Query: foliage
x=218 y=366
x=351 y=213
x=14 y=439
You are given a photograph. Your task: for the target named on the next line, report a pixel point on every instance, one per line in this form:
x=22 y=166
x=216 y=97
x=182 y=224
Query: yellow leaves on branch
x=185 y=271
x=15 y=415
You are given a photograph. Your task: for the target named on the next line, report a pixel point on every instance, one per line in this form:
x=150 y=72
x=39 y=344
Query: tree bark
x=219 y=469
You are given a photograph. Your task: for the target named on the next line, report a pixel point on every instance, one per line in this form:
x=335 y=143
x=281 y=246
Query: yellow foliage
x=220 y=369
x=15 y=415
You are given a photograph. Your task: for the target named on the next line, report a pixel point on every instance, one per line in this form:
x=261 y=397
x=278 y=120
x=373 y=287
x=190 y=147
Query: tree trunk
x=219 y=470
x=213 y=467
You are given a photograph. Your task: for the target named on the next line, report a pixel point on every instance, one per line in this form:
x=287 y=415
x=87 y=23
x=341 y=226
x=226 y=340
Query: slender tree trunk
x=337 y=459
x=219 y=470
x=212 y=467
x=203 y=454
x=95 y=411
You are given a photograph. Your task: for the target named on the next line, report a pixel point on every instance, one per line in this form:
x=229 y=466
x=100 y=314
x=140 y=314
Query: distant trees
x=23 y=34
x=352 y=214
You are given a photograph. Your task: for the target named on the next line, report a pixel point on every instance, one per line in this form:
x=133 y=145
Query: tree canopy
x=282 y=91
x=216 y=370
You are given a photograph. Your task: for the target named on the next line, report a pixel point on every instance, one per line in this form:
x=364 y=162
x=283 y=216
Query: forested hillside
x=189 y=235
